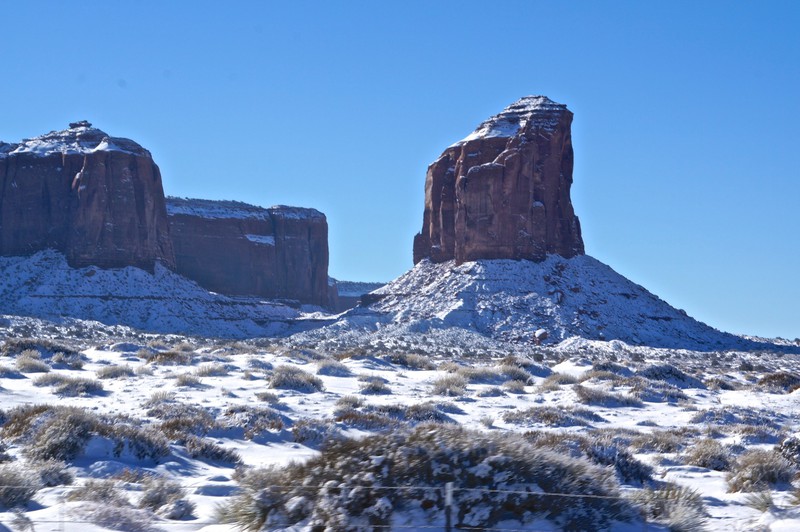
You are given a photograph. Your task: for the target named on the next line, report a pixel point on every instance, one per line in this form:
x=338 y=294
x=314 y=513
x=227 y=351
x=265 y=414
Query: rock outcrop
x=504 y=191
x=239 y=249
x=97 y=199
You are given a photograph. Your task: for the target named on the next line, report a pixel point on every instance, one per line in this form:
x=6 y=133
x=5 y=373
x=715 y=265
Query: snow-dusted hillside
x=508 y=301
x=44 y=286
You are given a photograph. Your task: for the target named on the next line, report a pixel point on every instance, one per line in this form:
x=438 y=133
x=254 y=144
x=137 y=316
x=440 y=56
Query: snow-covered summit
x=538 y=111
x=230 y=209
x=79 y=139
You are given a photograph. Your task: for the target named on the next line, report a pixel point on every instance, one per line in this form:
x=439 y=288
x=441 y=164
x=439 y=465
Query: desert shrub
x=596 y=396
x=494 y=375
x=670 y=374
x=105 y=491
x=492 y=391
x=7 y=372
x=349 y=401
x=779 y=382
x=30 y=361
x=160 y=492
x=604 y=451
x=68 y=386
x=552 y=416
x=612 y=367
x=115 y=372
x=203 y=449
x=659 y=441
x=45 y=348
x=61 y=433
x=679 y=508
x=52 y=473
x=374 y=386
x=721 y=383
x=761 y=501
x=19 y=419
x=187 y=380
x=333 y=368
x=168 y=358
x=268 y=397
x=341 y=487
x=426 y=412
x=517 y=387
x=69 y=360
x=364 y=420
x=212 y=370
x=314 y=431
x=732 y=416
x=116 y=516
x=410 y=361
x=598 y=375
x=257 y=363
x=293 y=378
x=790 y=449
x=708 y=453
x=144 y=370
x=757 y=470
x=655 y=391
x=179 y=419
x=252 y=420
x=554 y=382
x=450 y=385
x=17 y=485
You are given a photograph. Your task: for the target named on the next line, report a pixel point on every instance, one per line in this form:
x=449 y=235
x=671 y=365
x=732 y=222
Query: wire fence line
x=160 y=524
x=350 y=486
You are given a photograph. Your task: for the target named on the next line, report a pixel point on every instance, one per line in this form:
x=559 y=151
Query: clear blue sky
x=686 y=130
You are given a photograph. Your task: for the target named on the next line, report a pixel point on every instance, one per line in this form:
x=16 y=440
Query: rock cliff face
x=97 y=199
x=504 y=191
x=239 y=249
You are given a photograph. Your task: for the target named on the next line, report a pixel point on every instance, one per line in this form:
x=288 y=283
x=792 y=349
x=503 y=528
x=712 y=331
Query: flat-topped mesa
x=98 y=199
x=503 y=192
x=239 y=249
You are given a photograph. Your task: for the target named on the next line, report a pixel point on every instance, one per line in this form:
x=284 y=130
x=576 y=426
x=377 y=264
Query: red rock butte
x=97 y=199
x=503 y=192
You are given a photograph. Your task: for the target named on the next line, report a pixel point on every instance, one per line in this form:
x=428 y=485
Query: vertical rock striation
x=97 y=199
x=504 y=191
x=239 y=249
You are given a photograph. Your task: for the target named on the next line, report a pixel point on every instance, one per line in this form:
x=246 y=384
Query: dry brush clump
x=497 y=477
x=779 y=382
x=708 y=453
x=552 y=416
x=450 y=385
x=758 y=469
x=69 y=386
x=595 y=396
x=61 y=433
x=287 y=377
x=18 y=485
x=679 y=508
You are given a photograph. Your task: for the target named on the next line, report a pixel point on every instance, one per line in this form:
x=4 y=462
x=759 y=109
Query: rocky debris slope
x=45 y=286
x=97 y=199
x=239 y=249
x=503 y=192
x=484 y=302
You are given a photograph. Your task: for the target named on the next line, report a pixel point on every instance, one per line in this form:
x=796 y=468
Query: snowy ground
x=704 y=396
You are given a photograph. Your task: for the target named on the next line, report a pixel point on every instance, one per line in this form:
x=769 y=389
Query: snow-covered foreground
x=186 y=411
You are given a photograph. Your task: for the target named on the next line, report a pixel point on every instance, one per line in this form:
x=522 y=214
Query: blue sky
x=686 y=129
